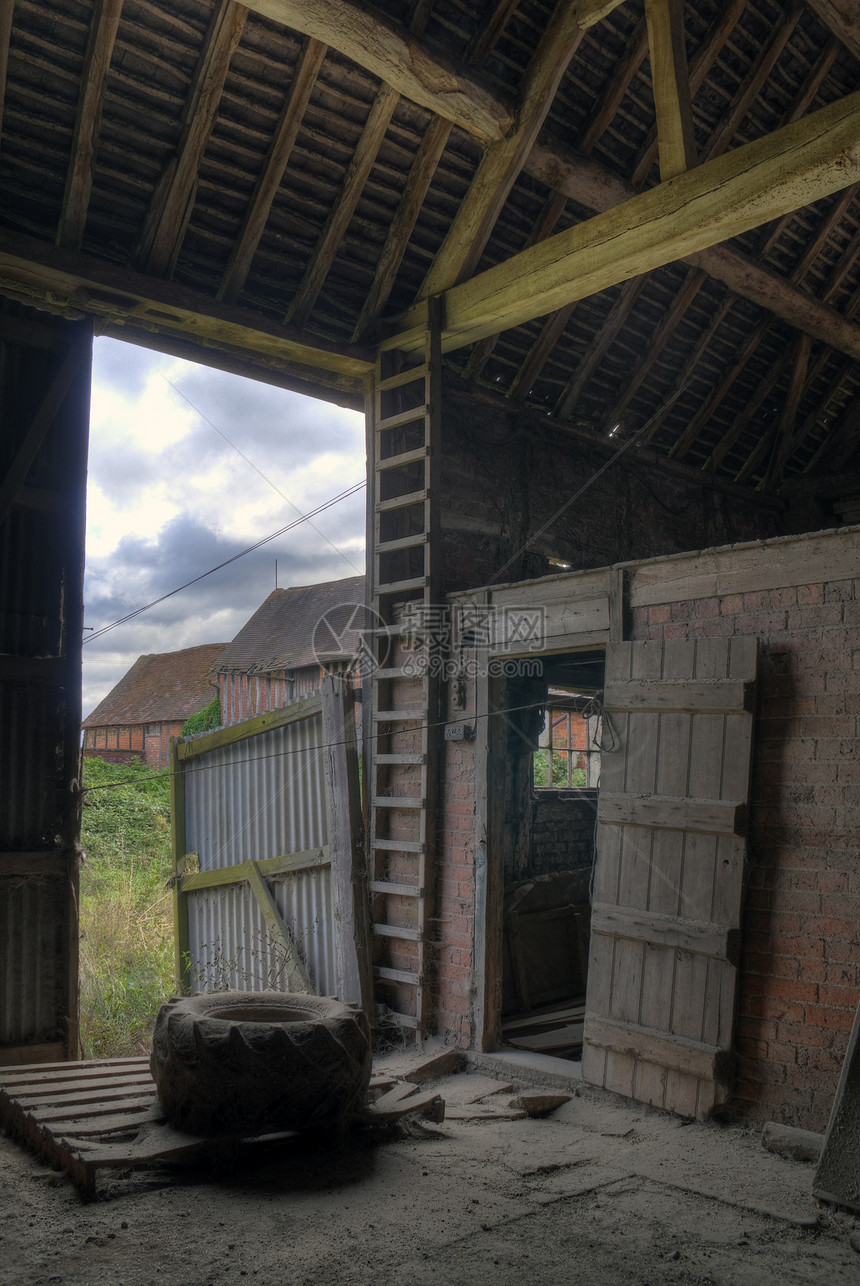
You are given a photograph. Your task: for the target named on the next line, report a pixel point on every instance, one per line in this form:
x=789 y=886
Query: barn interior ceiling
x=615 y=202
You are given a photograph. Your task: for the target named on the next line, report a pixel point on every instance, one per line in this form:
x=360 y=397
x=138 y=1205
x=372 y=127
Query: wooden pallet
x=89 y=1116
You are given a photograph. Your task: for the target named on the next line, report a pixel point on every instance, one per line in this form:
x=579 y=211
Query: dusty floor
x=600 y=1192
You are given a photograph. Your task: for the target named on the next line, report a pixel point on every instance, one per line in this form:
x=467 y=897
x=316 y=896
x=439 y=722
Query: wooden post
x=346 y=845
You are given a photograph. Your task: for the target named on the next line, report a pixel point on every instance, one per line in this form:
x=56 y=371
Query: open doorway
x=545 y=795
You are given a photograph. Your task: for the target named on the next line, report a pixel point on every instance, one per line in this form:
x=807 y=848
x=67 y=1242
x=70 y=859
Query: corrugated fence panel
x=230 y=944
x=33 y=926
x=259 y=797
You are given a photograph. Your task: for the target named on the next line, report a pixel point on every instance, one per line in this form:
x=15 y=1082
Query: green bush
x=127 y=967
x=204 y=720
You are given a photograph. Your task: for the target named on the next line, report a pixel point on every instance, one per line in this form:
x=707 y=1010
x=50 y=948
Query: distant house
x=276 y=658
x=150 y=704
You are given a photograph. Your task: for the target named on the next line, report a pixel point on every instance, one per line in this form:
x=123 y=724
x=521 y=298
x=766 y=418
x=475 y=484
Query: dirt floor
x=599 y=1192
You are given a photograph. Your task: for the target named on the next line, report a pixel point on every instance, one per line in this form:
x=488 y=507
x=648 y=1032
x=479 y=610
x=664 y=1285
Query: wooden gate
x=269 y=881
x=669 y=871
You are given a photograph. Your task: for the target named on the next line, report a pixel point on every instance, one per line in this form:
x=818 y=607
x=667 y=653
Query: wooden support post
x=676 y=142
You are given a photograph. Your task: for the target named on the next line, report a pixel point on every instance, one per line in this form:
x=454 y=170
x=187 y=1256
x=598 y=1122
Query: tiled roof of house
x=160 y=687
x=281 y=633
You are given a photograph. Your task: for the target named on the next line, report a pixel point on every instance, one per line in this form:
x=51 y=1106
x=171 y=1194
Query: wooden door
x=669 y=871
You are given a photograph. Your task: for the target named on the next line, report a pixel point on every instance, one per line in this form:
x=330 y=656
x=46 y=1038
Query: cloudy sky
x=168 y=498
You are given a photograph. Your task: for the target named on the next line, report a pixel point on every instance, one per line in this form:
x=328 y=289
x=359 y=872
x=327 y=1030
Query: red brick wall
x=800 y=967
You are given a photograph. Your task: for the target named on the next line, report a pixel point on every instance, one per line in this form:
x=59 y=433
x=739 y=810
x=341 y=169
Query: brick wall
x=505 y=473
x=800 y=967
x=562 y=833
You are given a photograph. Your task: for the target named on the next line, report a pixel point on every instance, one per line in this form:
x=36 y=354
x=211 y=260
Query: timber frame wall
x=798 y=596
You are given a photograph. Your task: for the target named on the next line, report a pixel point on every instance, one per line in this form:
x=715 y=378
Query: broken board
x=85 y=1117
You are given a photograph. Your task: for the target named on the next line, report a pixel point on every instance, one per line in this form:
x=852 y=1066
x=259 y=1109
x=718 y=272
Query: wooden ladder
x=403 y=526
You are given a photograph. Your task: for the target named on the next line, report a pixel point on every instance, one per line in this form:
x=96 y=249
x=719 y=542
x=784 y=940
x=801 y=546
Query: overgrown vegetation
x=126 y=907
x=540 y=771
x=204 y=720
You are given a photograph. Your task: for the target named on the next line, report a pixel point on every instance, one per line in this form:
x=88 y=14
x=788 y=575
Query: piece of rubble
x=787 y=1141
x=533 y=1103
x=431 y=1063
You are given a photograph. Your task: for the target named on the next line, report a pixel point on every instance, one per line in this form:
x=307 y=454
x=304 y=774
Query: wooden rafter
x=274 y=168
x=675 y=139
x=700 y=65
x=843 y=19
x=750 y=87
x=79 y=181
x=800 y=104
x=618 y=314
x=740 y=423
x=616 y=87
x=785 y=432
x=36 y=271
x=720 y=199
x=171 y=205
x=595 y=187
x=473 y=224
x=720 y=391
x=702 y=344
x=336 y=224
x=681 y=302
x=604 y=110
x=403 y=224
x=420 y=177
x=399 y=59
x=6 y=10
x=588 y=12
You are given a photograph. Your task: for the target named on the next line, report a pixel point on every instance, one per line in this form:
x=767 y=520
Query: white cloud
x=169 y=498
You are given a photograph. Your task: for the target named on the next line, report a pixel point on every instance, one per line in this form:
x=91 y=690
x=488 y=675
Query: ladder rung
x=398 y=801
x=402 y=502
x=402 y=542
x=401 y=757
x=415 y=456
x=398 y=845
x=396 y=890
x=408 y=376
x=396 y=975
x=398 y=586
x=397 y=931
x=402 y=417
x=398 y=716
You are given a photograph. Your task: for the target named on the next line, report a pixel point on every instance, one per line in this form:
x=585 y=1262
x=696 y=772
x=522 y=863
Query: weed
x=126 y=908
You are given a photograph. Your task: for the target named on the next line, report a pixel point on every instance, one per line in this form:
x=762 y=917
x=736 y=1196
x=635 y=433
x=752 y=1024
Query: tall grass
x=126 y=908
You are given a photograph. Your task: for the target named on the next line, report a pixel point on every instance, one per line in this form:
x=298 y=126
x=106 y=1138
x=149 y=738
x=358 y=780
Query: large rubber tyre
x=241 y=1063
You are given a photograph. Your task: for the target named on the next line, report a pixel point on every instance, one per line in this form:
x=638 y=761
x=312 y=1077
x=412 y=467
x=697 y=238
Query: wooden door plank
x=719 y=816
x=685 y=934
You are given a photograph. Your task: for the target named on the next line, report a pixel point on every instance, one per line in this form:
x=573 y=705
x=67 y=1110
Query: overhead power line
x=327 y=504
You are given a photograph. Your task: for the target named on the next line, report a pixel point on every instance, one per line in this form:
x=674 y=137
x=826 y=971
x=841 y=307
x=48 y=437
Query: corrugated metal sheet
x=231 y=946
x=260 y=797
x=33 y=927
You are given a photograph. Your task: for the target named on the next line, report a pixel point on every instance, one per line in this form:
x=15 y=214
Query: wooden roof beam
x=700 y=65
x=79 y=181
x=656 y=421
x=6 y=8
x=746 y=349
x=46 y=275
x=843 y=19
x=616 y=87
x=785 y=170
x=474 y=222
x=173 y=200
x=274 y=168
x=676 y=142
x=336 y=224
x=590 y=184
x=420 y=177
x=399 y=58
